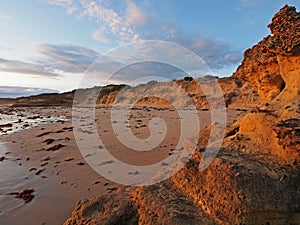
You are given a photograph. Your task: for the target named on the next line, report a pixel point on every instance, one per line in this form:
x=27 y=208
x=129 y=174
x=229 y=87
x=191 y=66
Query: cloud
x=4 y=16
x=55 y=60
x=100 y=36
x=146 y=69
x=215 y=53
x=15 y=66
x=135 y=16
x=128 y=22
x=110 y=20
x=15 y=91
x=59 y=2
x=68 y=4
x=67 y=58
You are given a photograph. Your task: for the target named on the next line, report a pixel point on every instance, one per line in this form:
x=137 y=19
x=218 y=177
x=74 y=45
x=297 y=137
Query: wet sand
x=46 y=158
x=59 y=177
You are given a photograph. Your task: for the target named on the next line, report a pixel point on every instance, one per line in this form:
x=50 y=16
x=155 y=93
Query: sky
x=49 y=44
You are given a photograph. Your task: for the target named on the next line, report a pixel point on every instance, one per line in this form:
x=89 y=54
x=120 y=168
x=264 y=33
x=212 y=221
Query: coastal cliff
x=255 y=178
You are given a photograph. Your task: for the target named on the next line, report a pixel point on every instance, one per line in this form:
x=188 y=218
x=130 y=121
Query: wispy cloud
x=14 y=66
x=67 y=58
x=135 y=16
x=64 y=3
x=55 y=61
x=132 y=22
x=111 y=20
x=68 y=4
x=100 y=35
x=4 y=16
x=120 y=25
x=215 y=53
x=15 y=91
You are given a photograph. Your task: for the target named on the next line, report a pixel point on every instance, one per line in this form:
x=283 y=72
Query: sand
x=47 y=159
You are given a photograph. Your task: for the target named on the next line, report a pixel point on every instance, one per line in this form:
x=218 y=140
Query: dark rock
x=26 y=195
x=55 y=147
x=49 y=141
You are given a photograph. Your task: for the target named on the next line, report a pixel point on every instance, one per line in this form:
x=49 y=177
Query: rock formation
x=235 y=92
x=273 y=63
x=255 y=178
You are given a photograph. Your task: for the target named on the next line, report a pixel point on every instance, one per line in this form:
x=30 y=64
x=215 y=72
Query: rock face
x=235 y=91
x=255 y=178
x=6 y=101
x=113 y=210
x=265 y=64
x=106 y=96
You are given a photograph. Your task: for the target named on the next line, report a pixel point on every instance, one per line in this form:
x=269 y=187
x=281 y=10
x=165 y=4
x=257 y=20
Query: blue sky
x=50 y=43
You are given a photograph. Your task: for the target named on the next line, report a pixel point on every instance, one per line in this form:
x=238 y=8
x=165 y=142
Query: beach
x=59 y=178
x=45 y=157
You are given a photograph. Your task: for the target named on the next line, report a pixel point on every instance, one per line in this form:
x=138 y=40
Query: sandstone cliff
x=236 y=94
x=106 y=96
x=273 y=64
x=255 y=178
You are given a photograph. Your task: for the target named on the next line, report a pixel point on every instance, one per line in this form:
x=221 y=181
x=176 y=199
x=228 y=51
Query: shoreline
x=61 y=177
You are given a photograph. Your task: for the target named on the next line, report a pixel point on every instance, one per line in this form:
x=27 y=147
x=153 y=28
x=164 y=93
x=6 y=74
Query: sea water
x=21 y=120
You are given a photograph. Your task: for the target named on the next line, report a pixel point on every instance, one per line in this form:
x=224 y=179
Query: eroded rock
x=262 y=64
x=255 y=177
